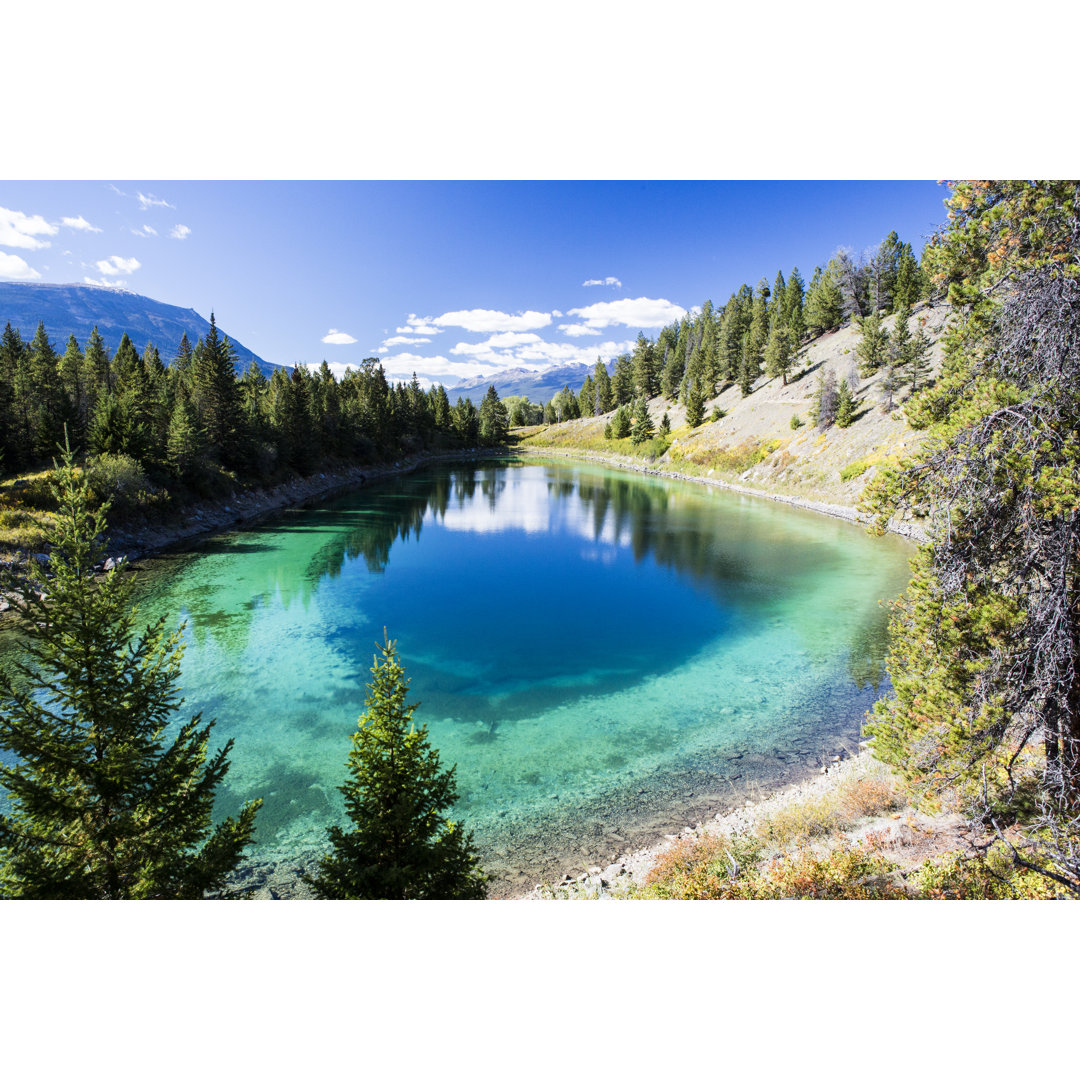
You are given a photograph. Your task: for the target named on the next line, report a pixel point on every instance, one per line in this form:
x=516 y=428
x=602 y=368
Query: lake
x=605 y=656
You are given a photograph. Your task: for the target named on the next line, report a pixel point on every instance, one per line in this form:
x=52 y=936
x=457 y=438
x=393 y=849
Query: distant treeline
x=758 y=331
x=191 y=422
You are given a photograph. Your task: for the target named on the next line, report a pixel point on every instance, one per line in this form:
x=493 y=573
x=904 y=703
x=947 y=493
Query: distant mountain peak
x=78 y=308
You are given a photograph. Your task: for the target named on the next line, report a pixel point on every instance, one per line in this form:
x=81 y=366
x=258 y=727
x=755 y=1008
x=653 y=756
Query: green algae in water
x=575 y=635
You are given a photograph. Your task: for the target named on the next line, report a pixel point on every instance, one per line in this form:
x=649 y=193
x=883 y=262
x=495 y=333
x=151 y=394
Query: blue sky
x=451 y=279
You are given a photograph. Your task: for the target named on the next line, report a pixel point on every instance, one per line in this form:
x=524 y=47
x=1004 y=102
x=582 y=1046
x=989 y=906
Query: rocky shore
x=909 y=836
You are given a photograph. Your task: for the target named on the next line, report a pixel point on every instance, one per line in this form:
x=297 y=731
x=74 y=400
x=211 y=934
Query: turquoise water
x=596 y=651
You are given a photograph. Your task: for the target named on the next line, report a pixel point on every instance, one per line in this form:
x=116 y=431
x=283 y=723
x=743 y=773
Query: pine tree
x=402 y=845
x=604 y=395
x=845 y=405
x=695 y=405
x=909 y=278
x=779 y=355
x=44 y=403
x=665 y=425
x=887 y=388
x=620 y=423
x=985 y=644
x=494 y=421
x=918 y=366
x=587 y=397
x=643 y=429
x=749 y=368
x=824 y=306
x=70 y=373
x=186 y=443
x=622 y=383
x=826 y=400
x=102 y=807
x=794 y=299
x=646 y=372
x=872 y=349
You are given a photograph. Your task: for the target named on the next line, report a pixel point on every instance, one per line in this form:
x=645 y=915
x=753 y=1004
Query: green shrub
x=854 y=469
x=796 y=422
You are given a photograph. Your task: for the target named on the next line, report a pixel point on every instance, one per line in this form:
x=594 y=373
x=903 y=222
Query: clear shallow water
x=595 y=650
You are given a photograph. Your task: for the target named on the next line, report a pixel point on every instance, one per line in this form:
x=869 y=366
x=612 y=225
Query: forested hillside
x=195 y=427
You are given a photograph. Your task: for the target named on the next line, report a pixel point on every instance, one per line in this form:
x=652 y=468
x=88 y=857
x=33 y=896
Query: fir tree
x=665 y=425
x=402 y=845
x=102 y=807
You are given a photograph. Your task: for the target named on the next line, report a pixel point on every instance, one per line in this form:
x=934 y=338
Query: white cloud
x=146 y=201
x=114 y=264
x=146 y=230
x=639 y=312
x=401 y=366
x=603 y=281
x=577 y=329
x=103 y=283
x=414 y=324
x=338 y=337
x=511 y=339
x=180 y=232
x=79 y=223
x=18 y=230
x=538 y=354
x=484 y=320
x=14 y=268
x=402 y=339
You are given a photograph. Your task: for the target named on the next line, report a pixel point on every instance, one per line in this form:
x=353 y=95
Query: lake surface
x=605 y=656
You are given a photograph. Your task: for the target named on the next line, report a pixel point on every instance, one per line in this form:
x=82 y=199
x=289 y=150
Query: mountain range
x=537 y=386
x=77 y=309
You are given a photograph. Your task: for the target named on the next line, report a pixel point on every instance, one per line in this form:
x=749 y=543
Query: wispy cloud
x=641 y=312
x=577 y=329
x=116 y=264
x=603 y=281
x=147 y=201
x=103 y=282
x=15 y=268
x=146 y=230
x=403 y=339
x=485 y=320
x=80 y=223
x=19 y=230
x=180 y=232
x=338 y=337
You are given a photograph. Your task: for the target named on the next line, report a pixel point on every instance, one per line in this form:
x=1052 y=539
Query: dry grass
x=852 y=800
